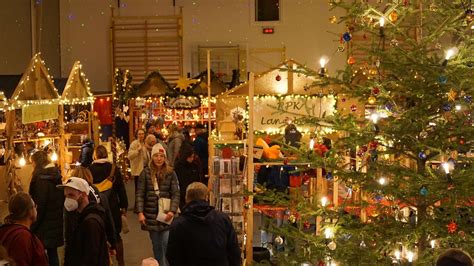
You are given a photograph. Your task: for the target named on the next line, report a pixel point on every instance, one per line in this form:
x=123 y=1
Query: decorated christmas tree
x=405 y=163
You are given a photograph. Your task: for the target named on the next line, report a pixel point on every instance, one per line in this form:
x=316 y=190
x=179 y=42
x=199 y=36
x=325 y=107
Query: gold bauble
x=393 y=17
x=371 y=100
x=333 y=19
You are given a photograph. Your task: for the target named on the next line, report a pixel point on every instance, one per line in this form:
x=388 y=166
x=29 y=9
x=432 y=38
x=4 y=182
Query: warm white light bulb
x=311 y=144
x=323 y=61
x=410 y=256
x=382 y=21
x=458 y=107
x=374 y=117
x=54 y=156
x=382 y=181
x=398 y=254
x=22 y=161
x=324 y=201
x=328 y=233
x=433 y=243
x=450 y=53
x=446 y=167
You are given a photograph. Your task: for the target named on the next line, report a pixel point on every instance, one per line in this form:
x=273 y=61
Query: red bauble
x=375 y=90
x=351 y=60
x=353 y=108
x=462 y=141
x=321 y=263
x=452 y=227
x=278 y=78
x=285 y=161
x=306 y=225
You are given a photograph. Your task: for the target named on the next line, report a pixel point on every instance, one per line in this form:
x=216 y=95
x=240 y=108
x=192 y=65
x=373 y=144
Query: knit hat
x=158 y=148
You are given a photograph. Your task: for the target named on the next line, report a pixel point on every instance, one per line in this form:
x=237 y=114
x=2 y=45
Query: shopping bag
x=125 y=228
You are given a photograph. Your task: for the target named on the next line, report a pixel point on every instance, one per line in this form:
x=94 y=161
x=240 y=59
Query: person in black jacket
x=71 y=219
x=87 y=150
x=49 y=225
x=201 y=147
x=108 y=179
x=202 y=236
x=89 y=240
x=158 y=180
x=188 y=169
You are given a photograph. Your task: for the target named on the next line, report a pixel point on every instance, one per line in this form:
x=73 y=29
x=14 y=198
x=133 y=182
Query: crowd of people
x=85 y=213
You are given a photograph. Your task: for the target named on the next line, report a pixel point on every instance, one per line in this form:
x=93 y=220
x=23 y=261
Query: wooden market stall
x=268 y=103
x=80 y=122
x=184 y=103
x=34 y=120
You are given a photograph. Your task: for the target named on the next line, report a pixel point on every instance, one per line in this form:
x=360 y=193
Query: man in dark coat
x=49 y=200
x=89 y=241
x=201 y=147
x=202 y=235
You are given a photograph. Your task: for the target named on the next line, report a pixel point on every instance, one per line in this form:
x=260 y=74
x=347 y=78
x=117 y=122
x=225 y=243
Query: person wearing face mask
x=89 y=240
x=158 y=180
x=23 y=247
x=49 y=225
x=71 y=219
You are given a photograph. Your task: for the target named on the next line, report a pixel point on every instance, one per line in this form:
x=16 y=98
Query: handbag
x=164 y=204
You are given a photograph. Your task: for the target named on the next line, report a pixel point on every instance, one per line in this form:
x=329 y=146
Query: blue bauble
x=447 y=107
x=329 y=176
x=424 y=191
x=422 y=155
x=443 y=79
x=389 y=107
x=467 y=98
x=378 y=197
x=347 y=37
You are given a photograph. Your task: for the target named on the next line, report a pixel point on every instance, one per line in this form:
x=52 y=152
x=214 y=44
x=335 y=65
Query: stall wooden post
x=62 y=153
x=250 y=174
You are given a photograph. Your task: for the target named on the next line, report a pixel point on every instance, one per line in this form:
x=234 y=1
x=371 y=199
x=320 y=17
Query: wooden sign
x=182 y=102
x=273 y=113
x=39 y=112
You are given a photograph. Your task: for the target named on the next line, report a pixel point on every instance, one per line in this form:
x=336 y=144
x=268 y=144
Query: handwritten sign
x=39 y=112
x=272 y=113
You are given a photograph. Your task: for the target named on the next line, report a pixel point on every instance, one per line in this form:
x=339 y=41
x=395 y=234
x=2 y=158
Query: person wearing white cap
x=157 y=200
x=89 y=241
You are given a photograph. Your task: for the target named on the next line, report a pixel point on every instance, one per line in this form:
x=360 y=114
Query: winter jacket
x=71 y=220
x=87 y=151
x=23 y=247
x=117 y=195
x=175 y=141
x=202 y=236
x=136 y=155
x=201 y=148
x=49 y=200
x=147 y=200
x=89 y=241
x=187 y=173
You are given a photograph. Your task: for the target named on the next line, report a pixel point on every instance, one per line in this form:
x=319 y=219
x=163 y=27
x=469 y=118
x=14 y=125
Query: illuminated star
x=452 y=95
x=183 y=84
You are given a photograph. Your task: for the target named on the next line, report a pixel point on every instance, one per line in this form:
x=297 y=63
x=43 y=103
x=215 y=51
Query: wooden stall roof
x=278 y=81
x=35 y=84
x=77 y=88
x=154 y=85
x=217 y=85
